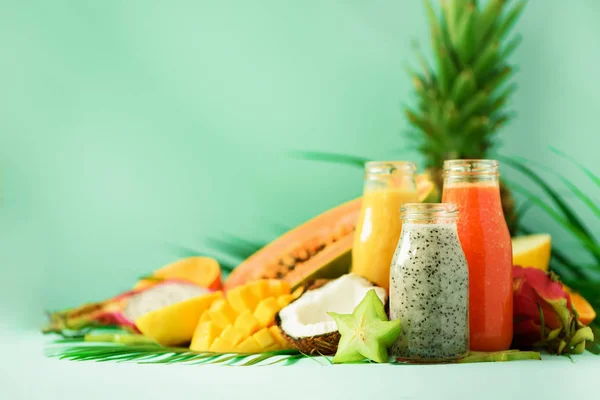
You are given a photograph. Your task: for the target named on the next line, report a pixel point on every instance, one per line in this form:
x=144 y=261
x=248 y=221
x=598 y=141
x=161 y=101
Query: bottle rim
x=389 y=167
x=429 y=211
x=471 y=167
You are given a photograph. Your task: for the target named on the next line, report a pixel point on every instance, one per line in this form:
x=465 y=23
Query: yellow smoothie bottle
x=388 y=185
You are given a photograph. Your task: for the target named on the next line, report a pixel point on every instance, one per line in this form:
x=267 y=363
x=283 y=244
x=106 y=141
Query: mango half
x=174 y=325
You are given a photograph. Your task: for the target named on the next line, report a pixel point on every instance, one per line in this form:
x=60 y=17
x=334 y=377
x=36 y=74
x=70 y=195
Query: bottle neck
x=429 y=214
x=481 y=172
x=380 y=175
x=452 y=179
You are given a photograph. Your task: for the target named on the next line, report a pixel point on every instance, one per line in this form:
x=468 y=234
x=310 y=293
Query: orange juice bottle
x=388 y=186
x=473 y=186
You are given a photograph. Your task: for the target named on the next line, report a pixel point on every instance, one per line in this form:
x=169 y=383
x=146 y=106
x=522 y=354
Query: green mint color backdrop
x=129 y=125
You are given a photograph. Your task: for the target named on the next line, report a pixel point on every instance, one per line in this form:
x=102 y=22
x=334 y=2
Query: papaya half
x=319 y=248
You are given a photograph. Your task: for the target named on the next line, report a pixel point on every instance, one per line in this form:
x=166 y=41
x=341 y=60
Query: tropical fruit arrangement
x=392 y=276
x=321 y=311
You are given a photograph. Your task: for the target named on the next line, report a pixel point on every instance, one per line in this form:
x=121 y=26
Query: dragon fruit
x=123 y=309
x=173 y=283
x=544 y=315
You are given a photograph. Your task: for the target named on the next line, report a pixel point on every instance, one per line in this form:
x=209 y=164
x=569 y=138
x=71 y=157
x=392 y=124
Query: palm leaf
x=336 y=158
x=148 y=353
x=185 y=252
x=585 y=170
x=572 y=187
x=234 y=246
x=571 y=221
x=588 y=243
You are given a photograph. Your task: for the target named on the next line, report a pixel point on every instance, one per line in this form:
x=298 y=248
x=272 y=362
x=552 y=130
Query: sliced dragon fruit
x=124 y=309
x=544 y=315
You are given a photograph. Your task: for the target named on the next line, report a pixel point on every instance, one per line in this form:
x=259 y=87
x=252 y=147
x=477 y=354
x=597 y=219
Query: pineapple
x=461 y=101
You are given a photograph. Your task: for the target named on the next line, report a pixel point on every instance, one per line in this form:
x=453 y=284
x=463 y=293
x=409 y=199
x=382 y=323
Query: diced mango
x=277 y=288
x=284 y=300
x=232 y=335
x=266 y=310
x=205 y=317
x=206 y=332
x=247 y=323
x=276 y=333
x=222 y=314
x=243 y=322
x=221 y=345
x=249 y=345
x=260 y=288
x=242 y=298
x=265 y=339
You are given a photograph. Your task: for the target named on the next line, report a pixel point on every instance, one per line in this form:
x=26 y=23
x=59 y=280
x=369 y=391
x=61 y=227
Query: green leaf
x=586 y=242
x=488 y=18
x=510 y=19
x=498 y=78
x=451 y=13
x=446 y=68
x=78 y=350
x=573 y=223
x=588 y=172
x=502 y=98
x=336 y=158
x=507 y=355
x=485 y=62
x=185 y=252
x=465 y=43
x=464 y=86
x=420 y=123
x=234 y=246
x=557 y=255
x=473 y=105
x=510 y=47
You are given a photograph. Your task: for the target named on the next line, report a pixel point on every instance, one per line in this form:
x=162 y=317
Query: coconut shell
x=325 y=344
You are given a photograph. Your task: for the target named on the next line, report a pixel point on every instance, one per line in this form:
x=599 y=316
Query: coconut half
x=305 y=323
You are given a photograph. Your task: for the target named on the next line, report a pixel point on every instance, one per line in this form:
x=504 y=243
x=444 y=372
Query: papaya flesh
x=319 y=248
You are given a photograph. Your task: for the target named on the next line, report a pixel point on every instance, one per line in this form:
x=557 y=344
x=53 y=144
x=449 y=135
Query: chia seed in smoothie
x=429 y=286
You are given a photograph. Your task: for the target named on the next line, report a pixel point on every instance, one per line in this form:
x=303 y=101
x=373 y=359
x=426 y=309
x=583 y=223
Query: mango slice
x=202 y=271
x=175 y=324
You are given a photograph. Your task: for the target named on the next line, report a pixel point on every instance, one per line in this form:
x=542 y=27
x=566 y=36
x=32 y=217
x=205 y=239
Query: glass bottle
x=429 y=286
x=473 y=185
x=387 y=186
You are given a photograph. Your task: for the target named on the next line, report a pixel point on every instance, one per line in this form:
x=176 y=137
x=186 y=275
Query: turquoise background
x=127 y=126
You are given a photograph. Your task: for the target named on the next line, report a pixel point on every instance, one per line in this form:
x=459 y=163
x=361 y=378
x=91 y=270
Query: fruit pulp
x=377 y=232
x=486 y=242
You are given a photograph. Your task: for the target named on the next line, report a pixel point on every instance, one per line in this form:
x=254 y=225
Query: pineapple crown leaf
x=461 y=100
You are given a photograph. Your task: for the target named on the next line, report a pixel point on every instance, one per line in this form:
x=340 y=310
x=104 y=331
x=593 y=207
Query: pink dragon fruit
x=123 y=309
x=544 y=315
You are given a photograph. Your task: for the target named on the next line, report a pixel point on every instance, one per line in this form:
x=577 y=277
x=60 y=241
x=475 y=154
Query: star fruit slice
x=366 y=333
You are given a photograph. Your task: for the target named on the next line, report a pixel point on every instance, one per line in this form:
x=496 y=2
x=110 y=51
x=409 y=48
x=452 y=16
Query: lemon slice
x=532 y=251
